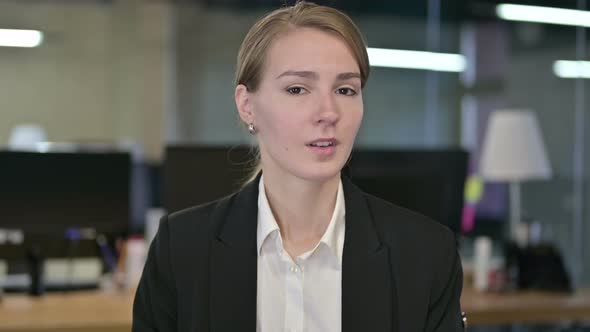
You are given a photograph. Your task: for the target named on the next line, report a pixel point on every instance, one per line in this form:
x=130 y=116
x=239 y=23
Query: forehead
x=310 y=49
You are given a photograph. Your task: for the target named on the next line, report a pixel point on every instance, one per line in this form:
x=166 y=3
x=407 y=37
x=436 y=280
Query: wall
x=102 y=73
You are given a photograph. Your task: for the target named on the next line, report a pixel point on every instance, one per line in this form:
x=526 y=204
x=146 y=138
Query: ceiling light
x=548 y=15
x=20 y=38
x=380 y=57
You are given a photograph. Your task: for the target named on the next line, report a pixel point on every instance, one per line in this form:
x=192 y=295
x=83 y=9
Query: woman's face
x=308 y=107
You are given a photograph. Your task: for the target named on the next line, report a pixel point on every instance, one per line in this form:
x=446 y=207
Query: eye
x=296 y=90
x=346 y=91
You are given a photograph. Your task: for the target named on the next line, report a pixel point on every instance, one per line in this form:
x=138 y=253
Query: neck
x=302 y=208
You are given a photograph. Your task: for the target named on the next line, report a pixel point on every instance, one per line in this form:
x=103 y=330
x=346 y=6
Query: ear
x=244 y=103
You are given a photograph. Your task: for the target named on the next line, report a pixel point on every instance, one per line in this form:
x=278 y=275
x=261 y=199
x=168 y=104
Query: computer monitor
x=195 y=174
x=50 y=192
x=430 y=182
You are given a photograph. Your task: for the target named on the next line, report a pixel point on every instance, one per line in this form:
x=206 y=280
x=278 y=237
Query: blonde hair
x=252 y=53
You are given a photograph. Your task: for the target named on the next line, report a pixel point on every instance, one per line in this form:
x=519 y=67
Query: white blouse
x=305 y=294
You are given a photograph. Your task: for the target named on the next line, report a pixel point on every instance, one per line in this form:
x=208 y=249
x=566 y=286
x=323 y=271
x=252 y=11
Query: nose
x=329 y=112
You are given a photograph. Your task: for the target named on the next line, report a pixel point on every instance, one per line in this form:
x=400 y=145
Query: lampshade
x=26 y=137
x=513 y=148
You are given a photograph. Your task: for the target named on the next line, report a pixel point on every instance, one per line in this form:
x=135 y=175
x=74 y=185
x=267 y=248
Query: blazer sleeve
x=444 y=313
x=154 y=307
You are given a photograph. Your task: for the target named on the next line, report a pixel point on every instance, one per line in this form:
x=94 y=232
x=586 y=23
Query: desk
x=111 y=312
x=88 y=311
x=523 y=307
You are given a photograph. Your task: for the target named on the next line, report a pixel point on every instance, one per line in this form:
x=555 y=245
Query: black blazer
x=400 y=271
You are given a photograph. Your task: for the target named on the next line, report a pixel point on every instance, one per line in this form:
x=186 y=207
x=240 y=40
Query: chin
x=320 y=173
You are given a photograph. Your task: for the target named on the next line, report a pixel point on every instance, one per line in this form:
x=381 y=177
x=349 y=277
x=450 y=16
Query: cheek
x=354 y=119
x=359 y=116
x=279 y=124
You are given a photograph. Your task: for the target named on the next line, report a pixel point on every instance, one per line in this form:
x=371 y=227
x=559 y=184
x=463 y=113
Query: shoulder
x=403 y=228
x=197 y=223
x=192 y=214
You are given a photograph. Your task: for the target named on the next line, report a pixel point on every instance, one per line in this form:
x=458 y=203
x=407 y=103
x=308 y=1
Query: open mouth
x=324 y=147
x=322 y=144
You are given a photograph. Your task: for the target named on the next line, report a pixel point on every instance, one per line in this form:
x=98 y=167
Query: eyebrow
x=346 y=76
x=313 y=75
x=300 y=73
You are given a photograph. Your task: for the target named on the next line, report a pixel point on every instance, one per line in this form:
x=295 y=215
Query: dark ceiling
x=451 y=10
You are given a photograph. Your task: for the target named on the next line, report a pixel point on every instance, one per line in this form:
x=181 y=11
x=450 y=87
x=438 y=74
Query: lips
x=323 y=142
x=323 y=147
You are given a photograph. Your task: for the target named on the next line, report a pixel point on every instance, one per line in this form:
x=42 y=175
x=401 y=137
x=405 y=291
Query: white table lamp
x=513 y=151
x=26 y=137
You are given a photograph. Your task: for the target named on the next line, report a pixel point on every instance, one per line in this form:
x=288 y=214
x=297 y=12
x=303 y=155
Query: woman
x=300 y=248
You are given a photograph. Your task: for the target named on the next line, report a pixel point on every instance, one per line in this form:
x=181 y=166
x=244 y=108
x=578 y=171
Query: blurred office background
x=141 y=75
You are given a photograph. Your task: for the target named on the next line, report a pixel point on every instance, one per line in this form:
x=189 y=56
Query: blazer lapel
x=233 y=265
x=369 y=300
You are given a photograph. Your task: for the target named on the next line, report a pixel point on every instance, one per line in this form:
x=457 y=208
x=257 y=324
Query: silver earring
x=251 y=129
